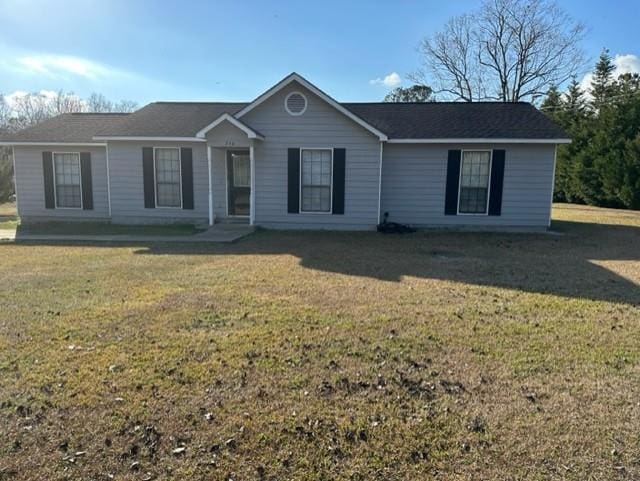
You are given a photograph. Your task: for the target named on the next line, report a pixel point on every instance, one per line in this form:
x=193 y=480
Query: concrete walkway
x=216 y=233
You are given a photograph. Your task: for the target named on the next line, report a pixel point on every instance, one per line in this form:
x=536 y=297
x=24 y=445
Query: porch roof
x=251 y=133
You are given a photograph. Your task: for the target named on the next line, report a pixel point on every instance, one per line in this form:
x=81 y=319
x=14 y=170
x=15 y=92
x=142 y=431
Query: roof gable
x=251 y=133
x=294 y=77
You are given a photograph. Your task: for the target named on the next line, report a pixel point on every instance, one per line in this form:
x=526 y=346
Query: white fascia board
x=252 y=134
x=294 y=77
x=479 y=141
x=150 y=139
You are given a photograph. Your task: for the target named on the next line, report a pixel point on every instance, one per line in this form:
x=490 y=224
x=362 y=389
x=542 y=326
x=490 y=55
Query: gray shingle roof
x=458 y=120
x=171 y=119
x=76 y=127
x=435 y=120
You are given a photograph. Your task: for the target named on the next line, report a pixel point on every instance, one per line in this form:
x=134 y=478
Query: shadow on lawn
x=564 y=265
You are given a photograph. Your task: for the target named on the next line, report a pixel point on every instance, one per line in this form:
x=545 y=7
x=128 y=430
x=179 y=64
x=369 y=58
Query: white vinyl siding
x=168 y=177
x=473 y=197
x=315 y=172
x=67 y=180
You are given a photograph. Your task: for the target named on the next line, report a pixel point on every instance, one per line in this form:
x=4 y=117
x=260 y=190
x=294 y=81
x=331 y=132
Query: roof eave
x=147 y=138
x=51 y=142
x=480 y=141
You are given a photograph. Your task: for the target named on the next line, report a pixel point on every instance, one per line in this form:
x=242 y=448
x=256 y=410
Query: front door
x=238 y=182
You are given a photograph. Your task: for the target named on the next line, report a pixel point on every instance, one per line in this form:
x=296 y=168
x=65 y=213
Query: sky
x=234 y=50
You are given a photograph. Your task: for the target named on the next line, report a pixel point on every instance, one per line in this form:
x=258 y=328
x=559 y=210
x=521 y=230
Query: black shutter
x=87 y=184
x=453 y=181
x=339 y=161
x=186 y=158
x=47 y=169
x=497 y=179
x=148 y=178
x=293 y=181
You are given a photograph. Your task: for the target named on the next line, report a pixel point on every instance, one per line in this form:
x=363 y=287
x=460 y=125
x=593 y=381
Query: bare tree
x=451 y=58
x=509 y=50
x=126 y=106
x=64 y=103
x=30 y=109
x=99 y=103
x=5 y=113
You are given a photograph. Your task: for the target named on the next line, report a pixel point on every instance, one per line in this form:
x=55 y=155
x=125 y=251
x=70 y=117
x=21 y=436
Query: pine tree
x=575 y=103
x=552 y=104
x=602 y=84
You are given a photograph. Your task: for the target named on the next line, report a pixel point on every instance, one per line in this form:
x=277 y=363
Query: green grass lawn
x=320 y=355
x=8 y=216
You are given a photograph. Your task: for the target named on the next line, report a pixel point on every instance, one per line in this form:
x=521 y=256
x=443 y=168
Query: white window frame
x=330 y=211
x=486 y=209
x=286 y=103
x=155 y=177
x=55 y=181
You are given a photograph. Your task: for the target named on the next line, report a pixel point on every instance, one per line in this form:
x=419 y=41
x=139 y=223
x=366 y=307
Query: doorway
x=238 y=183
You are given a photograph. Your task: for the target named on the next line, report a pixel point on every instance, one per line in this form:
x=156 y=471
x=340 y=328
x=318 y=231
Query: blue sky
x=233 y=50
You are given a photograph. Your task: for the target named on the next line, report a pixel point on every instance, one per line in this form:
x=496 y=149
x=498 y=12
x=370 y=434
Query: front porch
x=231 y=147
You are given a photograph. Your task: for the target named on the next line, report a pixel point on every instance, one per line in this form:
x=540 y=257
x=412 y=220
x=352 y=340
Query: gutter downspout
x=15 y=178
x=252 y=194
x=553 y=183
x=380 y=182
x=108 y=179
x=210 y=185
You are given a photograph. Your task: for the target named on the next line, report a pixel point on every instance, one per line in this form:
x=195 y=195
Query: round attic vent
x=295 y=103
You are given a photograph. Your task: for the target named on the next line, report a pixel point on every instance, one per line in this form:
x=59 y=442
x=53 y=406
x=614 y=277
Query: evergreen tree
x=630 y=190
x=602 y=84
x=552 y=104
x=415 y=93
x=576 y=104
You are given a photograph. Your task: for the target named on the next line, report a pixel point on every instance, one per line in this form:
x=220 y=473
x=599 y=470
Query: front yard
x=312 y=356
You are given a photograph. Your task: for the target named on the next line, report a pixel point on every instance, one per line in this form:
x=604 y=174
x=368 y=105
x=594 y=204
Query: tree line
x=602 y=164
x=525 y=50
x=21 y=111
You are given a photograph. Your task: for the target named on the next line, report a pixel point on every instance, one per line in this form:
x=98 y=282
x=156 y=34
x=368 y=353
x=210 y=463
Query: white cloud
x=392 y=80
x=61 y=65
x=13 y=97
x=628 y=63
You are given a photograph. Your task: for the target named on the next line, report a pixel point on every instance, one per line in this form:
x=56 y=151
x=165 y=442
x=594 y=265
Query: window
x=315 y=182
x=241 y=170
x=474 y=182
x=168 y=176
x=67 y=185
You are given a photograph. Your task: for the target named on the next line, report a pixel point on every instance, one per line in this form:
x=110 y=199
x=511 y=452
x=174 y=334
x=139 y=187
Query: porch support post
x=252 y=195
x=210 y=185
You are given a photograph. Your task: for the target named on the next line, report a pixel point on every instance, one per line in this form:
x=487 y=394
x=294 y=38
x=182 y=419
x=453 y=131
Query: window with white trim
x=168 y=177
x=315 y=185
x=67 y=184
x=474 y=182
